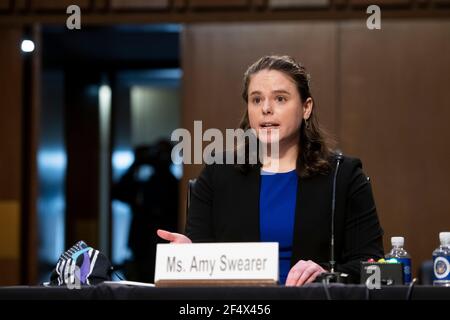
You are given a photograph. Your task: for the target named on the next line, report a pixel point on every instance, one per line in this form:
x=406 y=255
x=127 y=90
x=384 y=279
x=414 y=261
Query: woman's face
x=274 y=104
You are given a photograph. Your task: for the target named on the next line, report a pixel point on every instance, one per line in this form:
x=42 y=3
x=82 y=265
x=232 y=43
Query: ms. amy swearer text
x=222 y=264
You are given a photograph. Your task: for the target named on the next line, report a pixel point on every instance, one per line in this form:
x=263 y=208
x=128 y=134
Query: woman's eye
x=256 y=100
x=281 y=99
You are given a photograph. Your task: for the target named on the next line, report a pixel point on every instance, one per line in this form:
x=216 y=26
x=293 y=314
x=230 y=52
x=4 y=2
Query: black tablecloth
x=313 y=291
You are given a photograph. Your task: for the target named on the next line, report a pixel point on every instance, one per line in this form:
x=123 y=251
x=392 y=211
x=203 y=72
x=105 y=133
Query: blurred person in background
x=151 y=190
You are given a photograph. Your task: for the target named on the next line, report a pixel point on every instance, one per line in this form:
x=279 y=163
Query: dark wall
x=10 y=154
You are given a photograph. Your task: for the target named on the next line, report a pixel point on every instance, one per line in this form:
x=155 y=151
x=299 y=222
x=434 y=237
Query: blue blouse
x=277 y=201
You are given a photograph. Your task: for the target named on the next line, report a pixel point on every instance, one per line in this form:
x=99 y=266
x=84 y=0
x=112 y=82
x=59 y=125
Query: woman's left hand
x=303 y=272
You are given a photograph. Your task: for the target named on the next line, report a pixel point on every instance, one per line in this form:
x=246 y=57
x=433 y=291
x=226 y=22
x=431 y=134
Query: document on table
x=130 y=283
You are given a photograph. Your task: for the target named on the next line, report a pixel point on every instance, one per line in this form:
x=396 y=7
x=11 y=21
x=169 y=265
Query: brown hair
x=315 y=144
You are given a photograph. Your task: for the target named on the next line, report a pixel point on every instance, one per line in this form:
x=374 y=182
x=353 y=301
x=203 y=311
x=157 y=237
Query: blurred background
x=86 y=115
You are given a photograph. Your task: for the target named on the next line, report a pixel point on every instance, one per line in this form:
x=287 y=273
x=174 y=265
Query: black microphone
x=332 y=276
x=339 y=158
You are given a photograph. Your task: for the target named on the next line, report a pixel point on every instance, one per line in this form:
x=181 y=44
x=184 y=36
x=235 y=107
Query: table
x=311 y=292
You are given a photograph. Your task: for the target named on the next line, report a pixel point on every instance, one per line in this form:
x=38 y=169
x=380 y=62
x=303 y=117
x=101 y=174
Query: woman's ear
x=307 y=108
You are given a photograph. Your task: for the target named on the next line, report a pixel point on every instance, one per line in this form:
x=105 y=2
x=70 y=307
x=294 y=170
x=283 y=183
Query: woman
x=290 y=204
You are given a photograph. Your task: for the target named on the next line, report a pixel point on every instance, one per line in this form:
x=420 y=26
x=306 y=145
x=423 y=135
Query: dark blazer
x=225 y=208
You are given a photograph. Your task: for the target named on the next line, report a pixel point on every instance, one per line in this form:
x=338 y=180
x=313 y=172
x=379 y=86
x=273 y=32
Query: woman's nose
x=267 y=108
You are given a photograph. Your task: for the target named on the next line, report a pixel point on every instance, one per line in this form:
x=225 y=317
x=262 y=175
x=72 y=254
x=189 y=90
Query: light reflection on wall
x=121 y=161
x=51 y=166
x=51 y=203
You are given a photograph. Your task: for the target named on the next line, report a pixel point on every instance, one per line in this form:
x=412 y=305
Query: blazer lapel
x=312 y=219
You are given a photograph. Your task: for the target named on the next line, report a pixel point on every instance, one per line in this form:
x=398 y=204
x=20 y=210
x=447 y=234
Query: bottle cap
x=397 y=241
x=444 y=237
x=392 y=260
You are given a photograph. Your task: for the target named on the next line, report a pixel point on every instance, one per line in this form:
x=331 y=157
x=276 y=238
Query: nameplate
x=249 y=263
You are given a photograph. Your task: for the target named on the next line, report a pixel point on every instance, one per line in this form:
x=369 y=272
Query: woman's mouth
x=269 y=125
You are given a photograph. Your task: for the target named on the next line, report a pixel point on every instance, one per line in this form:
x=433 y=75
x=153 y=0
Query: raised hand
x=173 y=237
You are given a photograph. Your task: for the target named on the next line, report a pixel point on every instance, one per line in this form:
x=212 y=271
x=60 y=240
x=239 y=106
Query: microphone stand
x=332 y=276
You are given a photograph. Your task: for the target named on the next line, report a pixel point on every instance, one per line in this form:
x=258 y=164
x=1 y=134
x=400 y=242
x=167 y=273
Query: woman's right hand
x=173 y=237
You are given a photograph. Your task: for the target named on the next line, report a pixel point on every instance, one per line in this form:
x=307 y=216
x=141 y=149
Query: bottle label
x=441 y=268
x=407 y=277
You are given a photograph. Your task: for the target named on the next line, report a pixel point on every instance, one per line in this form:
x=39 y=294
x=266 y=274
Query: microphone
x=339 y=158
x=332 y=276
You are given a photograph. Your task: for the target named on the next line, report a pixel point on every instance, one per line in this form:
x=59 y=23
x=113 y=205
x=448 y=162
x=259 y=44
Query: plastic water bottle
x=399 y=253
x=441 y=261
